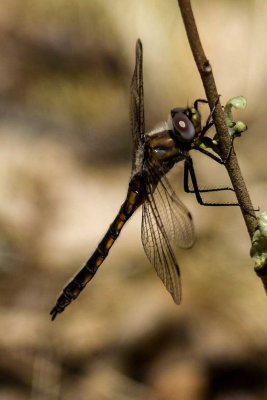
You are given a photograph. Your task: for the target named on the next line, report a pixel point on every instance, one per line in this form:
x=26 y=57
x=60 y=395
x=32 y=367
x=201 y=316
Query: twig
x=208 y=81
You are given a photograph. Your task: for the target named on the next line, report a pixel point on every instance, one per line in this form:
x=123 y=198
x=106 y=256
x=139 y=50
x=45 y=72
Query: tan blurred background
x=65 y=148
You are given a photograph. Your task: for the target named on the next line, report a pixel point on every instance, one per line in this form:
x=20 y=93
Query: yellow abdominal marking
x=109 y=243
x=99 y=261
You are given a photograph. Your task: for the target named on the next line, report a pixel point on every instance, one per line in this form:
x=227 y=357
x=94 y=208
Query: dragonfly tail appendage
x=78 y=283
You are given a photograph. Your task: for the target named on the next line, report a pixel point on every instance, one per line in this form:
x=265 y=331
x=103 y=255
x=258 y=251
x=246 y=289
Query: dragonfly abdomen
x=72 y=290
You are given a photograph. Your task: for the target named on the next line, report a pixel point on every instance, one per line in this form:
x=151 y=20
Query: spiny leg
x=209 y=123
x=215 y=157
x=189 y=169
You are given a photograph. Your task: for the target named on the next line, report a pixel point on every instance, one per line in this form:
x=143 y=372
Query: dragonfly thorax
x=160 y=145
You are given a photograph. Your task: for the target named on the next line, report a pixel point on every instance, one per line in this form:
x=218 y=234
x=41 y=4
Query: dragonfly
x=166 y=222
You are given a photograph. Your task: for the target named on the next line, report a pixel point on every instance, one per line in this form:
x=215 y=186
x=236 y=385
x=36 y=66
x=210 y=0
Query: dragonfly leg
x=207 y=126
x=199 y=101
x=209 y=123
x=215 y=157
x=189 y=170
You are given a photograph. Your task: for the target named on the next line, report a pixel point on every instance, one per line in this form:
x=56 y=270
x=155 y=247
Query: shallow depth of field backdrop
x=65 y=153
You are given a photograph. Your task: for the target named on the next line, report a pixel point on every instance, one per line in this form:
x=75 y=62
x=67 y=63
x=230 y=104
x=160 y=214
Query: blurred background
x=65 y=151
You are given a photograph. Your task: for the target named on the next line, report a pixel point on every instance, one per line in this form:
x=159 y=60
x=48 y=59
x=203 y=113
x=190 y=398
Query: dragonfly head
x=186 y=123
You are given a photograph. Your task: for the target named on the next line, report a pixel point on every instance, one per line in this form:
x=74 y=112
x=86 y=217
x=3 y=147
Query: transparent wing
x=165 y=222
x=174 y=215
x=176 y=218
x=137 y=109
x=159 y=251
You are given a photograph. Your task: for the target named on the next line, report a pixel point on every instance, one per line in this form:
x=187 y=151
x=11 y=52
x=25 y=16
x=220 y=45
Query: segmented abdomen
x=72 y=290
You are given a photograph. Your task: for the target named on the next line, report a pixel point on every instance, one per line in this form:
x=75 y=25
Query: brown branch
x=208 y=81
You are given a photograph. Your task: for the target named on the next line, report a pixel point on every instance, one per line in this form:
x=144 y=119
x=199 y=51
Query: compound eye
x=183 y=126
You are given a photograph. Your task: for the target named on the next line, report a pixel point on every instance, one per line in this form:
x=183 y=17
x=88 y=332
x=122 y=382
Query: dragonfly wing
x=137 y=110
x=158 y=249
x=166 y=222
x=176 y=218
